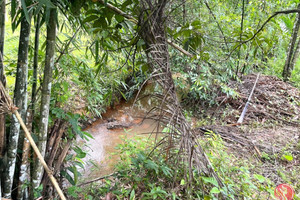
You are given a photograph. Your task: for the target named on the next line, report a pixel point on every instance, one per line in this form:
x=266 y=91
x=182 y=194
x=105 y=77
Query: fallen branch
x=6 y=105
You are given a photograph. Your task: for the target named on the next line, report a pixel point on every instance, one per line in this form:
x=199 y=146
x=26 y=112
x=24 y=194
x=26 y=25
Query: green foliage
x=72 y=172
x=236 y=174
x=38 y=191
x=156 y=193
x=192 y=34
x=105 y=62
x=139 y=175
x=98 y=86
x=199 y=83
x=287 y=157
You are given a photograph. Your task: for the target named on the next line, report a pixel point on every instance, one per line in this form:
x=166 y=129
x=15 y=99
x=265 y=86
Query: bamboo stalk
x=23 y=169
x=6 y=105
x=39 y=155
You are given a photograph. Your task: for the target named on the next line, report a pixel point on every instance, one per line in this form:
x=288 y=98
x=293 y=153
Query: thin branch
x=213 y=15
x=126 y=61
x=120 y=12
x=101 y=178
x=241 y=33
x=261 y=28
x=67 y=46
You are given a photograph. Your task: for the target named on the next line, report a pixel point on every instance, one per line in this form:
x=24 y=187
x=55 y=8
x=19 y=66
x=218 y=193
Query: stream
x=125 y=120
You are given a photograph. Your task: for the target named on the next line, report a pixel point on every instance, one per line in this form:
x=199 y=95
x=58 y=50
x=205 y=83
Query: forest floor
x=269 y=136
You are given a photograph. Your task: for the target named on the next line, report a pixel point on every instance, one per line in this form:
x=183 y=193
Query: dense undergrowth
x=146 y=174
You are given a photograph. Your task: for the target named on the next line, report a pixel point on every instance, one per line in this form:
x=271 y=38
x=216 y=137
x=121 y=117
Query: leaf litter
x=271 y=128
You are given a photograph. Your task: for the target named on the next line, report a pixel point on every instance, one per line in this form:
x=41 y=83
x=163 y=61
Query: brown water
x=100 y=161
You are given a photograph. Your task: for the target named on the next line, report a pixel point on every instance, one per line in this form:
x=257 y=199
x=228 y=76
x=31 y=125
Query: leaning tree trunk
x=292 y=52
x=20 y=100
x=46 y=94
x=152 y=21
x=2 y=79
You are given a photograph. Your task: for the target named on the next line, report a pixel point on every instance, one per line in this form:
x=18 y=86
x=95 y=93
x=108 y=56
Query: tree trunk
x=46 y=94
x=170 y=113
x=2 y=77
x=20 y=100
x=289 y=63
x=2 y=33
x=35 y=64
x=295 y=56
x=33 y=100
x=53 y=151
x=23 y=142
x=241 y=34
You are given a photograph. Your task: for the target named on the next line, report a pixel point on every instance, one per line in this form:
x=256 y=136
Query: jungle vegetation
x=65 y=62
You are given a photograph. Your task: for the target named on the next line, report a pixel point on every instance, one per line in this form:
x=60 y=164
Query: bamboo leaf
x=68 y=177
x=25 y=10
x=13 y=13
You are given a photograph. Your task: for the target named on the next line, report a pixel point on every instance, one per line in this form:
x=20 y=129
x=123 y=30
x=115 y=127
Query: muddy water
x=100 y=161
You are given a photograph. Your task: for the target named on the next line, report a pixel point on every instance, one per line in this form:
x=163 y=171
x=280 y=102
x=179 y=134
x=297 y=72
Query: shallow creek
x=125 y=120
